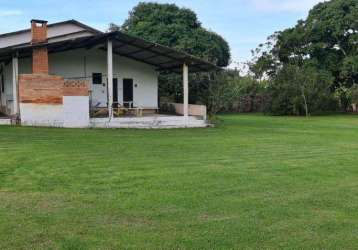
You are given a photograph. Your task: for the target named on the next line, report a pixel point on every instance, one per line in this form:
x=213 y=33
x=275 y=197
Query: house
x=68 y=74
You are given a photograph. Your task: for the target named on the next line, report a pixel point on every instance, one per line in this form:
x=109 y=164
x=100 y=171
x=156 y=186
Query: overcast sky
x=243 y=23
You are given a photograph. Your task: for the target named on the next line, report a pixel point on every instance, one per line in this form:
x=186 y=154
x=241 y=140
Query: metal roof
x=161 y=57
x=72 y=21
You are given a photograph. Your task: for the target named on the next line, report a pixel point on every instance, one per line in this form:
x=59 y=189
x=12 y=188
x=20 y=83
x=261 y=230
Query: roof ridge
x=73 y=21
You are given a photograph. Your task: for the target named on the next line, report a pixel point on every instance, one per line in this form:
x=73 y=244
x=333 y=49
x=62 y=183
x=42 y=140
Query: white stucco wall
x=82 y=63
x=76 y=111
x=41 y=115
x=6 y=97
x=73 y=113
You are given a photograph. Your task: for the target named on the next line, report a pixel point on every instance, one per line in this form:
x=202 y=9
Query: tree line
x=311 y=68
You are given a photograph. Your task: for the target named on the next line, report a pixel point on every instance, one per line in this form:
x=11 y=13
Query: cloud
x=284 y=5
x=7 y=13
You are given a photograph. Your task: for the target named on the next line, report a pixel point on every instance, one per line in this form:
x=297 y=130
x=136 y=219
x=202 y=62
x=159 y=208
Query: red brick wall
x=47 y=89
x=40 y=61
x=39 y=54
x=75 y=88
x=39 y=89
x=38 y=32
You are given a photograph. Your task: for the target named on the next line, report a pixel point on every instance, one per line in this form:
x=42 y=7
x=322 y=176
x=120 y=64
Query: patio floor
x=149 y=121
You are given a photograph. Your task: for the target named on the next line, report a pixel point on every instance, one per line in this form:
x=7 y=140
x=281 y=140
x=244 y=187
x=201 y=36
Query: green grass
x=251 y=182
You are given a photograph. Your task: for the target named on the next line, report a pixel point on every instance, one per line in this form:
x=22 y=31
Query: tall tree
x=327 y=41
x=178 y=28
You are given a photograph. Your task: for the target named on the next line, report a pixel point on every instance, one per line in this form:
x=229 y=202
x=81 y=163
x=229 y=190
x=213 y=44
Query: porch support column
x=110 y=77
x=186 y=91
x=15 y=73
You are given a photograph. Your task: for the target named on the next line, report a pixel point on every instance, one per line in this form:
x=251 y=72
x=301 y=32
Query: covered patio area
x=127 y=113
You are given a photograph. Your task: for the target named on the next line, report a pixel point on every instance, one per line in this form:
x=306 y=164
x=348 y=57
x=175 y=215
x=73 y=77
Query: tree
x=179 y=28
x=326 y=42
x=297 y=90
x=264 y=62
x=353 y=96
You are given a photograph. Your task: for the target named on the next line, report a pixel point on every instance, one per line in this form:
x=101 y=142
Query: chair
x=98 y=111
x=118 y=109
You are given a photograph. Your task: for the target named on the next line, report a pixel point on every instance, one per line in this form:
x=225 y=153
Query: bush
x=300 y=91
x=229 y=92
x=167 y=108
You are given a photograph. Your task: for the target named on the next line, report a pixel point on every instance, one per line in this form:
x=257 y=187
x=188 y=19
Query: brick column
x=39 y=53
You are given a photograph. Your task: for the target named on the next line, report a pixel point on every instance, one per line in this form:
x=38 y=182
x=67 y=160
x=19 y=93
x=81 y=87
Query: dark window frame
x=97 y=78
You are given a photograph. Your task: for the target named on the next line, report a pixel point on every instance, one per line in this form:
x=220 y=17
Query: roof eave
x=162 y=57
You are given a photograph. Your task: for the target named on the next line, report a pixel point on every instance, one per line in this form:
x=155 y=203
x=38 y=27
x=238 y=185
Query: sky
x=243 y=23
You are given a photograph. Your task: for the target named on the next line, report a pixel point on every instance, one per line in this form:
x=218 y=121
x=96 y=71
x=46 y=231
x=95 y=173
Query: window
x=97 y=78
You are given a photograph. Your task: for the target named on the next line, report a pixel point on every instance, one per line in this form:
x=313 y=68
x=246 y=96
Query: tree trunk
x=305 y=101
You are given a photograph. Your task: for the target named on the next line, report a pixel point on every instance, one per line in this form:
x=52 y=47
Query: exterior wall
x=40 y=89
x=82 y=63
x=76 y=104
x=55 y=32
x=49 y=100
x=6 y=97
x=76 y=111
x=33 y=114
x=41 y=98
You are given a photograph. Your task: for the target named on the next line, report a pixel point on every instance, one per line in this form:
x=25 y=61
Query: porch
x=126 y=113
x=131 y=116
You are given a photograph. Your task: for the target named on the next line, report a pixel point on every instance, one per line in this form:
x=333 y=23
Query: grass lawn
x=251 y=182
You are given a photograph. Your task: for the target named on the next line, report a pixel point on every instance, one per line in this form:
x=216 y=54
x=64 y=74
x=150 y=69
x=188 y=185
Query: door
x=128 y=92
x=115 y=90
